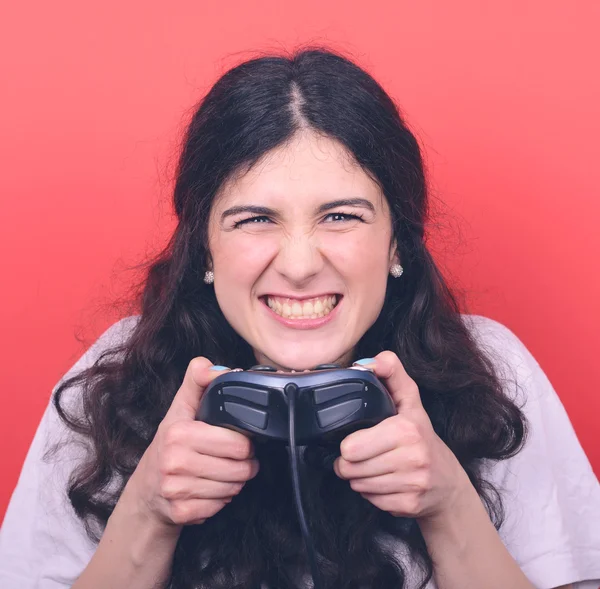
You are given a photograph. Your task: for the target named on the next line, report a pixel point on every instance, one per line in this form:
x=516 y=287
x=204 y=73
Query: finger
x=398 y=504
x=379 y=465
x=209 y=439
x=367 y=443
x=185 y=487
x=196 y=511
x=199 y=374
x=384 y=485
x=213 y=468
x=402 y=388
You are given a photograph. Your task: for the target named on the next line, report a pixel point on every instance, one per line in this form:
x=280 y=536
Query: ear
x=208 y=264
x=394 y=255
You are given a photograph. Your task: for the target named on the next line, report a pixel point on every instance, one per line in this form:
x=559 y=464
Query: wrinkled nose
x=299 y=259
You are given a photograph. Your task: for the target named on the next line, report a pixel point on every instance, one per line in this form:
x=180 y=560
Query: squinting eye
x=343 y=217
x=258 y=219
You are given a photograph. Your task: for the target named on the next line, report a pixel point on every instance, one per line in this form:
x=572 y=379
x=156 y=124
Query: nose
x=299 y=259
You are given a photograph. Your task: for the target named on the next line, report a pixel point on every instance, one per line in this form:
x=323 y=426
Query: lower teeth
x=313 y=316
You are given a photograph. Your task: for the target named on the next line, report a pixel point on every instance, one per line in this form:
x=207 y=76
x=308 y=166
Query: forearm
x=467 y=551
x=135 y=552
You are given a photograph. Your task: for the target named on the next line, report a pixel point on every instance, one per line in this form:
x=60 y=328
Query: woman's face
x=301 y=248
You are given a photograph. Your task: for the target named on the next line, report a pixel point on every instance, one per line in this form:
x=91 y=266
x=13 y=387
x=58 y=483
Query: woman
x=302 y=205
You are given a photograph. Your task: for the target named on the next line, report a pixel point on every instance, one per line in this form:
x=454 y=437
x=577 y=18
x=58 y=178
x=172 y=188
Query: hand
x=400 y=465
x=191 y=470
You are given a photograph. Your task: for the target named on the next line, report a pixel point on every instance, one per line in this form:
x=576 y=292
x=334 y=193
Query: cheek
x=357 y=252
x=241 y=259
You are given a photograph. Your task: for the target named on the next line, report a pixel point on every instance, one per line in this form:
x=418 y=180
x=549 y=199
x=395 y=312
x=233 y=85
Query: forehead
x=308 y=170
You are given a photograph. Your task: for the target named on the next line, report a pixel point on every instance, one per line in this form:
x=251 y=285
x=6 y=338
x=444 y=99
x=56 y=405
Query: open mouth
x=311 y=308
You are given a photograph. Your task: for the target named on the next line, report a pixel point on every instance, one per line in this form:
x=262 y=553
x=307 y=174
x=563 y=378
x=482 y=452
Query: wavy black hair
x=253 y=108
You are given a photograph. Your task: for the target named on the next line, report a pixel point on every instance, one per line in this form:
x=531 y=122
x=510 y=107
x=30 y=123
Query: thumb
x=402 y=388
x=199 y=374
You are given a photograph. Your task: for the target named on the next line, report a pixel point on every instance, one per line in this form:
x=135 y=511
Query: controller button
x=331 y=392
x=248 y=415
x=331 y=415
x=326 y=367
x=258 y=396
x=263 y=368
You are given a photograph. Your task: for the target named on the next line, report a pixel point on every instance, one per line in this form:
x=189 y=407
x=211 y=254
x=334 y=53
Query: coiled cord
x=291 y=391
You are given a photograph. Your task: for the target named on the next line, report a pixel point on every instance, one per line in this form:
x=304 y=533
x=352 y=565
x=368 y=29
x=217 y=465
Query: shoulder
x=52 y=430
x=114 y=336
x=496 y=340
x=522 y=378
x=525 y=383
x=42 y=540
x=550 y=493
x=520 y=374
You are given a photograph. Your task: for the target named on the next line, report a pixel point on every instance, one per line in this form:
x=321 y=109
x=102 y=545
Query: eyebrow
x=256 y=210
x=347 y=202
x=247 y=209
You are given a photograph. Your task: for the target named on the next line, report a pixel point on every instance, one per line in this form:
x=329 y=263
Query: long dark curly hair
x=253 y=108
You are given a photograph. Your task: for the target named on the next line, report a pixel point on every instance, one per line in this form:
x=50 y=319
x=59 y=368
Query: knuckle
x=164 y=465
x=197 y=366
x=387 y=361
x=199 y=363
x=426 y=463
x=180 y=512
x=171 y=463
x=425 y=481
x=388 y=356
x=420 y=459
x=175 y=434
x=168 y=488
x=412 y=504
x=410 y=432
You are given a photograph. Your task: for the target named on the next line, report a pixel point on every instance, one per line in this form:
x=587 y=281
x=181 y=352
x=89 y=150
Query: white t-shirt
x=551 y=495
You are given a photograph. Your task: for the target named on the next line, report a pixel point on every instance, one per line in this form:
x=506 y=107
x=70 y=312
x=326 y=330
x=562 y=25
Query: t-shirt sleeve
x=551 y=495
x=43 y=545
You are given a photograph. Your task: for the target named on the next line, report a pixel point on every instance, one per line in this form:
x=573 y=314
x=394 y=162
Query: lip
x=304 y=298
x=303 y=323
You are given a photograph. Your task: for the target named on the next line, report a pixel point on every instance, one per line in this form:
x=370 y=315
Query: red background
x=503 y=97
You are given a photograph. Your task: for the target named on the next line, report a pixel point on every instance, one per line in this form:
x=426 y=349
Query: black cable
x=291 y=390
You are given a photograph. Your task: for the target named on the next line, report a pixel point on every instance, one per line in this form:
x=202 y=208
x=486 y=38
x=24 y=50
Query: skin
x=299 y=251
x=191 y=470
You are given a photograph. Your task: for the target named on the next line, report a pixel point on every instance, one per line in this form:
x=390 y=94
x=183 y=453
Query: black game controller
x=322 y=406
x=328 y=402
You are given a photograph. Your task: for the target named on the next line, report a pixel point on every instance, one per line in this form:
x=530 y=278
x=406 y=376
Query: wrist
x=145 y=534
x=460 y=503
x=132 y=505
x=465 y=547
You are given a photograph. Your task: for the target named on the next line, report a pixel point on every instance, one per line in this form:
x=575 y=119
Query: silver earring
x=396 y=270
x=209 y=277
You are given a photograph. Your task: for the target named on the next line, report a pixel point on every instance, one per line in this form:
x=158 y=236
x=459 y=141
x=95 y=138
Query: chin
x=301 y=360
x=297 y=364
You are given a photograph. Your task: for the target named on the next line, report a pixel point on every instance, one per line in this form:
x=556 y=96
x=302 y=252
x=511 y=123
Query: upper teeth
x=307 y=308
